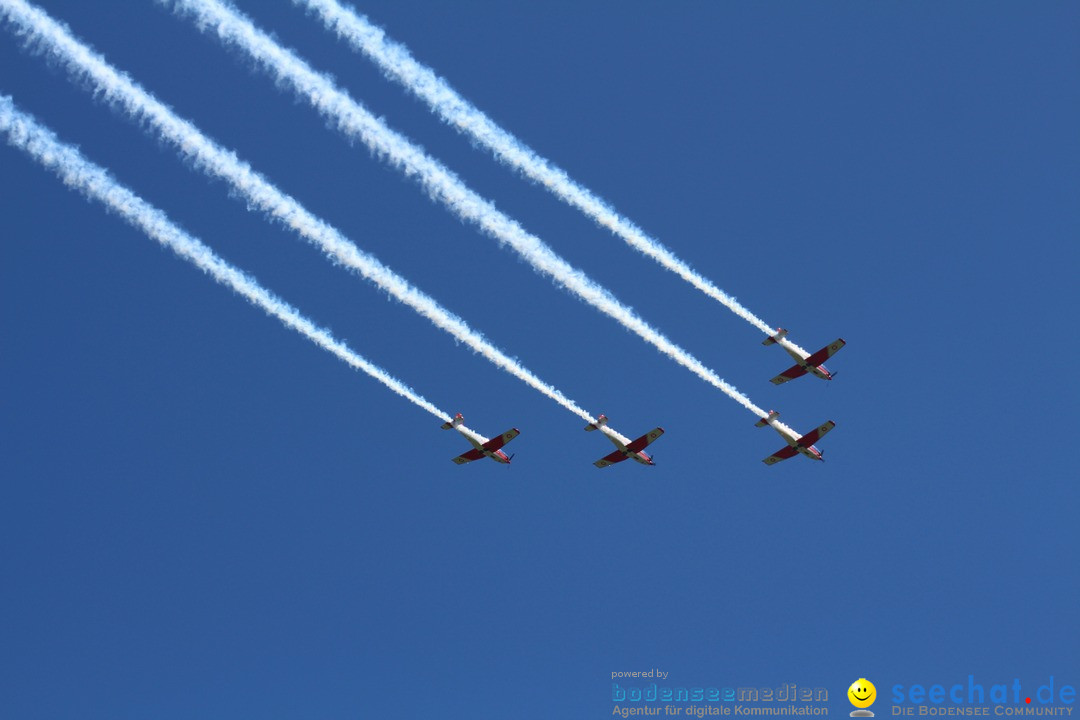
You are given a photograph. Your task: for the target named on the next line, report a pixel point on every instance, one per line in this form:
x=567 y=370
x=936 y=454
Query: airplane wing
x=497 y=442
x=816 y=434
x=615 y=457
x=825 y=353
x=779 y=455
x=790 y=374
x=473 y=454
x=643 y=441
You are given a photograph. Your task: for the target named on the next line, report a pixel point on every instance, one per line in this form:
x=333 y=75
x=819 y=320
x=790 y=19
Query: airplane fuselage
x=800 y=358
x=482 y=447
x=809 y=451
x=796 y=444
x=496 y=455
x=634 y=449
x=641 y=456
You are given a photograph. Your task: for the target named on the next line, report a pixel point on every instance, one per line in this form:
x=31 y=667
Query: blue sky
x=205 y=515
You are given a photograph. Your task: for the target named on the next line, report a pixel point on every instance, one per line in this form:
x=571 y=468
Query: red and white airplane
x=633 y=449
x=804 y=363
x=796 y=445
x=482 y=447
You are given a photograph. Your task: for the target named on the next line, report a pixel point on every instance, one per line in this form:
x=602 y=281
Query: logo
x=862 y=695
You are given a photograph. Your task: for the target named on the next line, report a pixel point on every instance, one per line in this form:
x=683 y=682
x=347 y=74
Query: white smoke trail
x=398 y=64
x=119 y=90
x=356 y=121
x=24 y=133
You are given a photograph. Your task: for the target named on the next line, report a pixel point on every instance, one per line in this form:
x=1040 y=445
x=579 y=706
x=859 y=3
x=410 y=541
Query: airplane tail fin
x=781 y=333
x=600 y=422
x=773 y=414
x=458 y=419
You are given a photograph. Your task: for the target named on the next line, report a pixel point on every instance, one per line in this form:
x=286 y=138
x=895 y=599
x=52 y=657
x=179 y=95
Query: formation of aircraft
x=795 y=443
x=481 y=447
x=812 y=364
x=633 y=449
x=804 y=364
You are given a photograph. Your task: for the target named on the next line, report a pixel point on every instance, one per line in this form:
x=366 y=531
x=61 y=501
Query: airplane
x=804 y=363
x=633 y=449
x=796 y=445
x=482 y=447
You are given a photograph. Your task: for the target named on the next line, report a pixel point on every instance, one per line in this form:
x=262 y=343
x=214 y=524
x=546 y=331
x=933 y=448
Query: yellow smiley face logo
x=862 y=693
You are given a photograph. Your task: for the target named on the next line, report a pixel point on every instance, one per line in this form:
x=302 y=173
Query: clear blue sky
x=204 y=515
